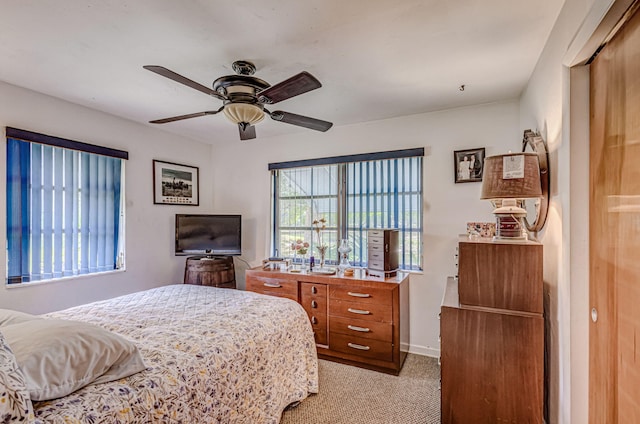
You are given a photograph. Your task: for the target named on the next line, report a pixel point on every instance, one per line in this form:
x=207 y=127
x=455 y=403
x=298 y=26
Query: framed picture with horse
x=175 y=184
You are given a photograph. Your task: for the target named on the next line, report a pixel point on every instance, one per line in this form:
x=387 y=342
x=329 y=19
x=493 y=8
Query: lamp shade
x=511 y=176
x=243 y=113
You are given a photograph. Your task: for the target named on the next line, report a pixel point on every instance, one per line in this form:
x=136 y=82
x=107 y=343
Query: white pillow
x=7 y=317
x=59 y=356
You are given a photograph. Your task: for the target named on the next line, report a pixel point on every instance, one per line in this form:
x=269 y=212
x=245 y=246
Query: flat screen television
x=211 y=235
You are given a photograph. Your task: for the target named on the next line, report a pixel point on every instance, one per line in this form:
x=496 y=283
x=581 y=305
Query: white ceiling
x=376 y=59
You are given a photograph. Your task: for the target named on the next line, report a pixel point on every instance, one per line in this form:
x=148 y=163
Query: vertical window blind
x=353 y=193
x=64 y=208
x=305 y=194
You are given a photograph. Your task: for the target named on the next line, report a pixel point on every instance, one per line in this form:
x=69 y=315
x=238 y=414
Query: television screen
x=214 y=235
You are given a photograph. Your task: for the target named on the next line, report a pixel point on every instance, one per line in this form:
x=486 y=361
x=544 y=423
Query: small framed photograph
x=468 y=165
x=175 y=184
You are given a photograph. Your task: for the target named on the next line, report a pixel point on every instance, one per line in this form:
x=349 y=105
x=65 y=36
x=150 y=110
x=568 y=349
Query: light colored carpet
x=351 y=395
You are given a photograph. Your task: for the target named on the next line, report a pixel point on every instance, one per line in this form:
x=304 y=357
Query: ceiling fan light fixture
x=243 y=113
x=244 y=97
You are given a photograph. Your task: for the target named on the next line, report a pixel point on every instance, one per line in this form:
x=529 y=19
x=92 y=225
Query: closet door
x=614 y=337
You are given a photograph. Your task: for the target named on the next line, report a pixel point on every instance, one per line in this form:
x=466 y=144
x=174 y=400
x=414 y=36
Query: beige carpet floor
x=351 y=395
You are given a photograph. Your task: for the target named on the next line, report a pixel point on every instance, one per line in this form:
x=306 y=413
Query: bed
x=210 y=356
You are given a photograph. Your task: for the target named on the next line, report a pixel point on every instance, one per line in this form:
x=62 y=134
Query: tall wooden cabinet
x=358 y=320
x=492 y=335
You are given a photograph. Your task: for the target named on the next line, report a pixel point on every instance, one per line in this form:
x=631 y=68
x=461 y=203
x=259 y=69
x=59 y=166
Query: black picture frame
x=175 y=184
x=475 y=166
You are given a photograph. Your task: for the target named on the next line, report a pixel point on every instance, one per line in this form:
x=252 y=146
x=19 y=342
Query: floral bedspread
x=212 y=355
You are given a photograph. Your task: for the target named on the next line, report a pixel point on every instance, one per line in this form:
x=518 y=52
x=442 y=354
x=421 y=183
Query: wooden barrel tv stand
x=216 y=271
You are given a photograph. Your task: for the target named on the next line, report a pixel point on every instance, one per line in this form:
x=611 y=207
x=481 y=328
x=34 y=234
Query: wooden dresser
x=492 y=335
x=357 y=320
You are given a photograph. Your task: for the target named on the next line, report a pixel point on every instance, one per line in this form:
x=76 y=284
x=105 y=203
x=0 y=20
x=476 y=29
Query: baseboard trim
x=424 y=351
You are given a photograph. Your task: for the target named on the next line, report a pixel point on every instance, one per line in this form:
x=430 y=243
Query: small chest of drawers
x=357 y=320
x=383 y=251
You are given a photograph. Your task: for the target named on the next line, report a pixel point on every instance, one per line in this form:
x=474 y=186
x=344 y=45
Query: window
x=352 y=193
x=64 y=207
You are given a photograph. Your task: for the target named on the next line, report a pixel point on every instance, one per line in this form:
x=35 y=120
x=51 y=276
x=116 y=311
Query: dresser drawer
x=375 y=234
x=375 y=240
x=380 y=312
x=314 y=305
x=361 y=294
x=376 y=264
x=382 y=331
x=313 y=290
x=375 y=255
x=360 y=346
x=319 y=329
x=273 y=286
x=375 y=249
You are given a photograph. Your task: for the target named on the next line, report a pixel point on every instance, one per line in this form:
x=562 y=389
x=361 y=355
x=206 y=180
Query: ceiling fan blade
x=247 y=132
x=301 y=121
x=182 y=80
x=181 y=117
x=288 y=88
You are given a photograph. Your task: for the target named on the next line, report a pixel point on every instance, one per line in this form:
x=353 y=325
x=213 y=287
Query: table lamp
x=507 y=180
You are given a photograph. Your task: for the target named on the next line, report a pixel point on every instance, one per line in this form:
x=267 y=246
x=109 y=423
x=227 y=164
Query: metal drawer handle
x=358 y=311
x=357 y=346
x=358 y=294
x=314 y=304
x=314 y=320
x=314 y=290
x=361 y=329
x=272 y=285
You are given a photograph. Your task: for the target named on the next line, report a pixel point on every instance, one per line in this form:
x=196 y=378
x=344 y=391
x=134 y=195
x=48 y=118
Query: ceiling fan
x=244 y=97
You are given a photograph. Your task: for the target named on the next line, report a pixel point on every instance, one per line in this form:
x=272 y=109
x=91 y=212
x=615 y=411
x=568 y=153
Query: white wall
x=545 y=106
x=150 y=261
x=242 y=185
x=234 y=179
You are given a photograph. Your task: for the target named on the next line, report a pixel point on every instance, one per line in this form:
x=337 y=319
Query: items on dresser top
x=383 y=252
x=359 y=320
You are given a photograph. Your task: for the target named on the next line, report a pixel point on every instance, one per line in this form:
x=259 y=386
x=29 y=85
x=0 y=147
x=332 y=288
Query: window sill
x=63 y=279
